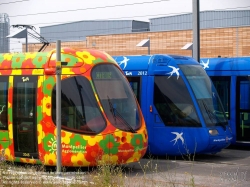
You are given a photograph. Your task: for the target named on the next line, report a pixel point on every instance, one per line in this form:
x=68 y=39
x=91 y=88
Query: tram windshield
x=206 y=95
x=173 y=102
x=79 y=109
x=116 y=97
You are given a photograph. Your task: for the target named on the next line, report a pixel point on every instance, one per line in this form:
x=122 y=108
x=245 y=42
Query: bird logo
x=124 y=61
x=25 y=79
x=178 y=136
x=205 y=65
x=175 y=70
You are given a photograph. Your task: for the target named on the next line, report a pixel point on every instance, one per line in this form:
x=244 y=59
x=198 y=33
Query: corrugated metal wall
x=208 y=19
x=4 y=31
x=77 y=31
x=139 y=26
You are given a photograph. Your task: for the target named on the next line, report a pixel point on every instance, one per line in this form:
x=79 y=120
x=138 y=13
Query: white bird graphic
x=205 y=65
x=178 y=136
x=175 y=70
x=124 y=61
x=25 y=79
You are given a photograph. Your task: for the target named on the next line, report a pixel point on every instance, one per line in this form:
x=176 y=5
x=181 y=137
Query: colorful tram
x=181 y=107
x=231 y=77
x=101 y=119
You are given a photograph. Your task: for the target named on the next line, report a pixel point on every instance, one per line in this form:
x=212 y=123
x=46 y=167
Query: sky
x=40 y=13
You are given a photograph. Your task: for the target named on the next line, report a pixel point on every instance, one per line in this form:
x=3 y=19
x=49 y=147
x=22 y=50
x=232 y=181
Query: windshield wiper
x=213 y=116
x=121 y=119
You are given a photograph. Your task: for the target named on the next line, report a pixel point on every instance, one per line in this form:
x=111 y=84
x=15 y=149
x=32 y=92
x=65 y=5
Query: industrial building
x=222 y=33
x=4 y=31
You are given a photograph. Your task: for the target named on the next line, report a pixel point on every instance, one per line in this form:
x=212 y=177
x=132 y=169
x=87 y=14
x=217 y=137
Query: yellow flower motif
x=30 y=55
x=79 y=160
x=65 y=137
x=8 y=155
x=45 y=101
x=40 y=81
x=50 y=159
x=16 y=72
x=11 y=78
x=9 y=105
x=119 y=134
x=8 y=56
x=86 y=56
x=143 y=133
x=108 y=159
x=10 y=126
x=67 y=71
x=92 y=140
x=41 y=133
x=37 y=72
x=136 y=156
x=27 y=160
x=129 y=137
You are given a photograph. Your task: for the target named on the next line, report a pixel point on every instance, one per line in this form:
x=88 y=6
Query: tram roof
x=226 y=64
x=69 y=58
x=143 y=62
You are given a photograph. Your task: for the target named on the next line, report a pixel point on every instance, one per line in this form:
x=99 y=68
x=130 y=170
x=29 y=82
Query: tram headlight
x=213 y=132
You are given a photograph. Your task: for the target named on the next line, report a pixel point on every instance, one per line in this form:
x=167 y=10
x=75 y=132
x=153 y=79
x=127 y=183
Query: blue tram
x=183 y=112
x=231 y=77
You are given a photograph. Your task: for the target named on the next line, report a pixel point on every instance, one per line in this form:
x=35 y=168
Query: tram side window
x=222 y=85
x=135 y=85
x=79 y=109
x=244 y=93
x=3 y=102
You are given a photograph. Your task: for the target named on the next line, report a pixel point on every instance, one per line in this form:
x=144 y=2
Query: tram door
x=243 y=109
x=24 y=116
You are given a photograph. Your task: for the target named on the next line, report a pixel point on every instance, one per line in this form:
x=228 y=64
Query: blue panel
x=225 y=64
x=170 y=139
x=133 y=63
x=238 y=69
x=245 y=95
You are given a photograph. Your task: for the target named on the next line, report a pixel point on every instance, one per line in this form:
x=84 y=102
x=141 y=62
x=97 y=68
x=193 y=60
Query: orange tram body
x=100 y=116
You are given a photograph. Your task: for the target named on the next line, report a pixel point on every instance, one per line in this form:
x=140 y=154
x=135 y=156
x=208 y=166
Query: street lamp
x=145 y=43
x=188 y=46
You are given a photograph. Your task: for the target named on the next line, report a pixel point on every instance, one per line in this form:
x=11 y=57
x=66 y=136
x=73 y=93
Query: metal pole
x=26 y=39
x=58 y=107
x=149 y=45
x=196 y=30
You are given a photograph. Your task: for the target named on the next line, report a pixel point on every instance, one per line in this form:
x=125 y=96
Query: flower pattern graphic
x=78 y=149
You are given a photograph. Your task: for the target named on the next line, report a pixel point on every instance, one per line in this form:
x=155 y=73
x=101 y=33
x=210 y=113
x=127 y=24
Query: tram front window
x=117 y=97
x=173 y=102
x=206 y=95
x=79 y=109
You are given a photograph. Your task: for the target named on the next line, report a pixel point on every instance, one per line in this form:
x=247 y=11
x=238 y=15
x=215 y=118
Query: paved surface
x=230 y=167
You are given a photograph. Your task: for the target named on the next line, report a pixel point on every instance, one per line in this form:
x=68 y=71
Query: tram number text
x=142 y=72
x=26 y=154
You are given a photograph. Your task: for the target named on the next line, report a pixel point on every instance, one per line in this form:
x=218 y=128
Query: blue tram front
x=183 y=112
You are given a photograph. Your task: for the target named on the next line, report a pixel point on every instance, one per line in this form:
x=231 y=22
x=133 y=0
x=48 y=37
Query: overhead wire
x=108 y=30
x=236 y=8
x=120 y=18
x=13 y=2
x=91 y=8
